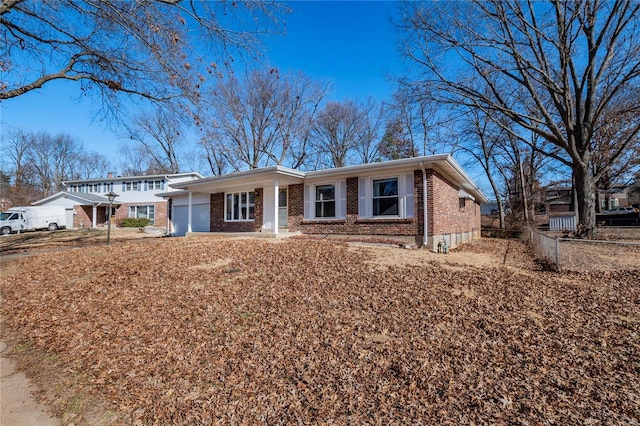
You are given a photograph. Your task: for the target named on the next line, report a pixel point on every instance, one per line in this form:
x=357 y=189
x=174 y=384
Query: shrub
x=132 y=222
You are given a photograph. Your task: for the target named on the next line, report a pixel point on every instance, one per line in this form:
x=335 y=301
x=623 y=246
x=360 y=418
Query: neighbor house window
x=143 y=212
x=239 y=206
x=385 y=197
x=154 y=184
x=325 y=201
x=131 y=186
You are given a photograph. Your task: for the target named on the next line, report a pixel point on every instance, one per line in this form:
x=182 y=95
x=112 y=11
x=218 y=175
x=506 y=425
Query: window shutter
x=146 y=185
x=363 y=200
x=307 y=201
x=139 y=185
x=162 y=185
x=341 y=211
x=123 y=187
x=409 y=198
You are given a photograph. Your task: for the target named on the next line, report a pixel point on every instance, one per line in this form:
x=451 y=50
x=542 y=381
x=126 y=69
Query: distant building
x=617 y=196
x=86 y=203
x=558 y=199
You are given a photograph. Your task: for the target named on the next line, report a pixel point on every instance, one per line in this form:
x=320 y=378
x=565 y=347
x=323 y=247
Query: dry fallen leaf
x=305 y=331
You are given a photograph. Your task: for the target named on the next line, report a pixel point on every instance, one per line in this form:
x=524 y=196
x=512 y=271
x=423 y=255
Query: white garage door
x=199 y=219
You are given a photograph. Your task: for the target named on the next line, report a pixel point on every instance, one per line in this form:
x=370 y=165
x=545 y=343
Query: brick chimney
x=109 y=175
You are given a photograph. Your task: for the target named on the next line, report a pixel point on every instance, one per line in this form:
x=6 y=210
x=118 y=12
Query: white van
x=19 y=219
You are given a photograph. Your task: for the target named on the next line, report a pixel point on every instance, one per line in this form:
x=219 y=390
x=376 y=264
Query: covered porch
x=255 y=201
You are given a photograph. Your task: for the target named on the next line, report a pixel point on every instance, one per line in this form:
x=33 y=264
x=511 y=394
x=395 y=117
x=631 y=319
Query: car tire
x=5 y=231
x=53 y=226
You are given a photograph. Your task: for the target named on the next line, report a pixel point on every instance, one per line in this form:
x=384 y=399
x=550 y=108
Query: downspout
x=424 y=205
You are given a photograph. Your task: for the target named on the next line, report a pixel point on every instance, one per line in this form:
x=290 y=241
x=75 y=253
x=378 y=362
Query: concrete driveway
x=18 y=406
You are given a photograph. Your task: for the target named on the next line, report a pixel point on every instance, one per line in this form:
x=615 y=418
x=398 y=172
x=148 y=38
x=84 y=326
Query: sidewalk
x=18 y=407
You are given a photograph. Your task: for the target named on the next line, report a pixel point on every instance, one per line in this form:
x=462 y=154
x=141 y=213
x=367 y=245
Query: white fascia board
x=242 y=178
x=467 y=183
x=361 y=169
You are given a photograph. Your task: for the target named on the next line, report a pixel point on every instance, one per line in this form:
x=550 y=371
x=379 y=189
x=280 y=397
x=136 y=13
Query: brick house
x=393 y=198
x=86 y=203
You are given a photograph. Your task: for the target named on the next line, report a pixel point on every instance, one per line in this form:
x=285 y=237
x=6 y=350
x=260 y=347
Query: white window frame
x=334 y=200
x=155 y=184
x=134 y=208
x=406 y=196
x=340 y=194
x=397 y=196
x=242 y=207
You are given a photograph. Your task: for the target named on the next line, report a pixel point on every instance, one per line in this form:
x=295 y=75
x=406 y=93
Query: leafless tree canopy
x=262 y=119
x=347 y=132
x=143 y=47
x=553 y=68
x=38 y=163
x=159 y=137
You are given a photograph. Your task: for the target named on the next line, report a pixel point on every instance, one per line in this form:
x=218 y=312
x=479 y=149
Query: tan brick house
x=393 y=198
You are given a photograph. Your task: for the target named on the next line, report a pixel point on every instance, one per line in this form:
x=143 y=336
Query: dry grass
x=178 y=331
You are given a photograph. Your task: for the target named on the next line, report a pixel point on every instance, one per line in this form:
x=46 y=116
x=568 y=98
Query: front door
x=283 y=212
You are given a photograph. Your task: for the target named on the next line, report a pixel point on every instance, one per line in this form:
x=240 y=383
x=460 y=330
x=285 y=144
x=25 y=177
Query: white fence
x=562 y=222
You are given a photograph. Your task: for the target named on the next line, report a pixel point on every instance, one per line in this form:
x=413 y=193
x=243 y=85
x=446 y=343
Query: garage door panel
x=199 y=219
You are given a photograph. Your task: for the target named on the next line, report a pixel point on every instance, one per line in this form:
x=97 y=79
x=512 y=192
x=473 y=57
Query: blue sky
x=351 y=44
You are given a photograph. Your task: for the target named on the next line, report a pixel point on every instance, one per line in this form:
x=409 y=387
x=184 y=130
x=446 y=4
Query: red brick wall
x=352 y=225
x=444 y=212
x=218 y=223
x=83 y=215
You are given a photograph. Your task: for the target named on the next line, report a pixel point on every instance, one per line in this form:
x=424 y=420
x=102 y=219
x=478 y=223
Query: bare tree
x=159 y=136
x=418 y=114
x=135 y=161
x=371 y=129
x=214 y=155
x=16 y=155
x=141 y=48
x=335 y=134
x=263 y=119
x=53 y=159
x=553 y=68
x=16 y=162
x=483 y=143
x=91 y=165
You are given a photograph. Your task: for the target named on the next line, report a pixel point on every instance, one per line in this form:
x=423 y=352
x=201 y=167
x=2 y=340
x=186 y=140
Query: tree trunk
x=496 y=192
x=585 y=197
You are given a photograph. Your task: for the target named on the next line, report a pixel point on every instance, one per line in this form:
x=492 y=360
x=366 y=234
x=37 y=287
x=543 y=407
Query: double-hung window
x=154 y=184
x=326 y=201
x=239 y=206
x=385 y=197
x=143 y=212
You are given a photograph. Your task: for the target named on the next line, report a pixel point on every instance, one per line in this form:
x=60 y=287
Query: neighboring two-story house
x=86 y=202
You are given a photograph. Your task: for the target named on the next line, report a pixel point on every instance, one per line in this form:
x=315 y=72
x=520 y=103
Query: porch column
x=94 y=221
x=276 y=195
x=189 y=213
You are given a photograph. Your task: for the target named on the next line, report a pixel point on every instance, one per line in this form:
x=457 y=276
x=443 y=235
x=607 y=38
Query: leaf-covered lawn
x=180 y=331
